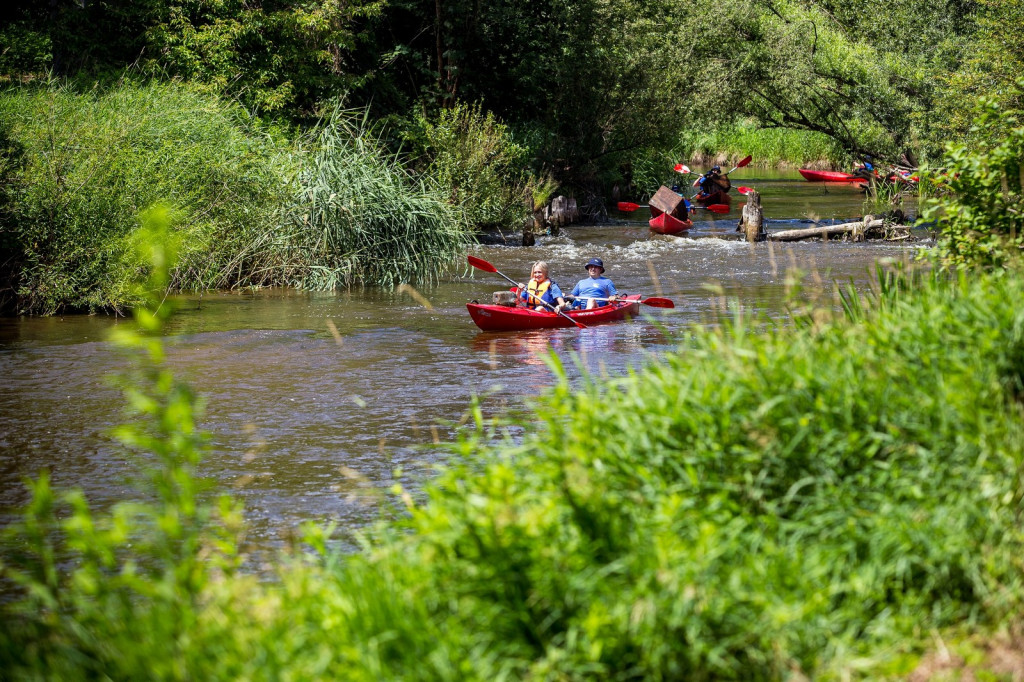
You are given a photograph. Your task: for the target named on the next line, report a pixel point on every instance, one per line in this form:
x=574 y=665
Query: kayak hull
x=666 y=224
x=830 y=176
x=499 y=318
x=717 y=197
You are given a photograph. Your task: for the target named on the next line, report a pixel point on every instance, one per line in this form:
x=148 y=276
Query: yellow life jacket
x=537 y=291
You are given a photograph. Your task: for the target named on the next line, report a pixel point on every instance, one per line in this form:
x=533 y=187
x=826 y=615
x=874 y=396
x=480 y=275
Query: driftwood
x=855 y=229
x=752 y=220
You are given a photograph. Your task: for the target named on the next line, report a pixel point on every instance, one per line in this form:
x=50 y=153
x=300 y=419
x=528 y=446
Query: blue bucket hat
x=595 y=261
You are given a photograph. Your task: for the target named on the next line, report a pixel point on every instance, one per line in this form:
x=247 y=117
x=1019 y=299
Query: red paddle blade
x=744 y=161
x=718 y=208
x=481 y=264
x=680 y=168
x=656 y=302
x=744 y=190
x=627 y=206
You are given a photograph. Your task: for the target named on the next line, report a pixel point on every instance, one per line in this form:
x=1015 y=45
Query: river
x=313 y=400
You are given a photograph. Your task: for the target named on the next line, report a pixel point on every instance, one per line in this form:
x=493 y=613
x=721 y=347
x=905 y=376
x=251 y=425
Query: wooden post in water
x=752 y=222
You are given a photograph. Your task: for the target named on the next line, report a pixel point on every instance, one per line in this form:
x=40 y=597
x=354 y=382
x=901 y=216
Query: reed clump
x=358 y=216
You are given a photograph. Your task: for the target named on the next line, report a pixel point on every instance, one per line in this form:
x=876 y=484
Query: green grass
x=79 y=167
x=820 y=497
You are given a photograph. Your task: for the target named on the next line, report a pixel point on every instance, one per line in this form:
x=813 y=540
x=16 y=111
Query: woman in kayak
x=540 y=290
x=587 y=291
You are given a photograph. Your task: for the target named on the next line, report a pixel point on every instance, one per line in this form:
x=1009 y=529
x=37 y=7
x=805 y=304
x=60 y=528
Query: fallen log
x=856 y=229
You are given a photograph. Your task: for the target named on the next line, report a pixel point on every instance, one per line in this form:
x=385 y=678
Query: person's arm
x=556 y=296
x=613 y=295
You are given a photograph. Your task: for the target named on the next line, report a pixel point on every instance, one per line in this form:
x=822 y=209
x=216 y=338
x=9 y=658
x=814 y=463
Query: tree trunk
x=752 y=222
x=826 y=231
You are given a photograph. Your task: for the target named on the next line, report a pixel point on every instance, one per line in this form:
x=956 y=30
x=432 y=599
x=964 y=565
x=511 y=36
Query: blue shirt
x=601 y=287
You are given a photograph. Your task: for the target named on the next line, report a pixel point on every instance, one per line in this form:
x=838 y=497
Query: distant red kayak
x=830 y=176
x=666 y=224
x=500 y=318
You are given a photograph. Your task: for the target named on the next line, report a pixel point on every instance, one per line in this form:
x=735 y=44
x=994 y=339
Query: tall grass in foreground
x=359 y=217
x=818 y=499
x=79 y=167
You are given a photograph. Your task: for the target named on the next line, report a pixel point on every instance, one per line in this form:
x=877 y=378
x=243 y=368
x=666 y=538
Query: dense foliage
x=980 y=207
x=587 y=83
x=336 y=209
x=79 y=168
x=819 y=499
x=473 y=160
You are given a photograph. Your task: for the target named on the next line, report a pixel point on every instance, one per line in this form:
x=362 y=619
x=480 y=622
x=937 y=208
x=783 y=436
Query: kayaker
x=711 y=183
x=596 y=286
x=540 y=289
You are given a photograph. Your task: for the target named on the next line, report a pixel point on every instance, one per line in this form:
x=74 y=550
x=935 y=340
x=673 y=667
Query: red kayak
x=666 y=224
x=830 y=176
x=501 y=318
x=719 y=196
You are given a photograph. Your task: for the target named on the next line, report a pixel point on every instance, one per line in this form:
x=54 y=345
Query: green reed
x=358 y=216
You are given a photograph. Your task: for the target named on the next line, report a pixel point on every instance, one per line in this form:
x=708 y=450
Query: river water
x=314 y=400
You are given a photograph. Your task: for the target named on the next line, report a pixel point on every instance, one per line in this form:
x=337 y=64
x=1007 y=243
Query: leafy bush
x=982 y=214
x=80 y=167
x=478 y=166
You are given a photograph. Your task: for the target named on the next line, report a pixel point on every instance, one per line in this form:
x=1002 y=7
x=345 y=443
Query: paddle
x=714 y=208
x=653 y=301
x=744 y=190
x=741 y=163
x=629 y=207
x=481 y=264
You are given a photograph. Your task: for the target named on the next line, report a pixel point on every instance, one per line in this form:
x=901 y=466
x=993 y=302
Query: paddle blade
x=627 y=206
x=656 y=302
x=744 y=161
x=481 y=264
x=680 y=168
x=718 y=208
x=744 y=190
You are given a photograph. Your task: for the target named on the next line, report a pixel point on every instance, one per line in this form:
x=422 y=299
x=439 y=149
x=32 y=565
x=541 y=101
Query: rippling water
x=307 y=425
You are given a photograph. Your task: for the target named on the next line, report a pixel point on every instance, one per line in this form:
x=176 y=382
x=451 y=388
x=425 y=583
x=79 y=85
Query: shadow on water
x=313 y=400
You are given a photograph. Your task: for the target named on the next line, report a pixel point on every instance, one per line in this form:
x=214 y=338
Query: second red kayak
x=830 y=176
x=666 y=224
x=500 y=318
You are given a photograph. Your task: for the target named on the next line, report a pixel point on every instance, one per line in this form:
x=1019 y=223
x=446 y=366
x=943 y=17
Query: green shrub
x=478 y=166
x=981 y=215
x=80 y=167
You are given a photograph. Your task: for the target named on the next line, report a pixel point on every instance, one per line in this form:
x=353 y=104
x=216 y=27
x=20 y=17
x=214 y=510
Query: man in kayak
x=711 y=184
x=540 y=290
x=587 y=291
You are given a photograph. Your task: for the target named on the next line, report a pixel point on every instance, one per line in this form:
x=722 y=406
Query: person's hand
x=614 y=299
x=522 y=286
